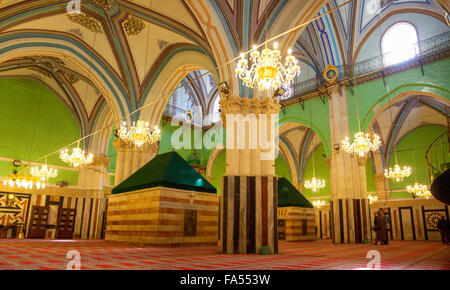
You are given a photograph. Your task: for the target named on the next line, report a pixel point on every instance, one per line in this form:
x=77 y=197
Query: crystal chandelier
x=419 y=190
x=139 y=134
x=362 y=144
x=398 y=174
x=44 y=173
x=266 y=70
x=23 y=181
x=372 y=198
x=315 y=184
x=318 y=203
x=77 y=158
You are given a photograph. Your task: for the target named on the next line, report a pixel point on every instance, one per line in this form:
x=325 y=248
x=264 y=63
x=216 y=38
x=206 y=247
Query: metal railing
x=436 y=166
x=431 y=45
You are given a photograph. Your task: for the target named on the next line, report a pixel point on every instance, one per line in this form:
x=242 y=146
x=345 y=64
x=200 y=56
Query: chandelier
x=139 y=134
x=315 y=184
x=419 y=190
x=362 y=144
x=398 y=174
x=44 y=173
x=372 y=198
x=77 y=158
x=266 y=70
x=23 y=181
x=318 y=203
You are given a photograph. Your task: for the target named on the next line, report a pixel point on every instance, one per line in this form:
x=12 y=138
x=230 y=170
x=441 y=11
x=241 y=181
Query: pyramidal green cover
x=166 y=170
x=289 y=196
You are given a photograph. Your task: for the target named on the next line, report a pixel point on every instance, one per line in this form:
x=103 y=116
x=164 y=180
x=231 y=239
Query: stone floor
x=47 y=255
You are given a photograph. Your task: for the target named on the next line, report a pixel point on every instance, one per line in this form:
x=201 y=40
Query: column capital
x=100 y=161
x=237 y=105
x=121 y=145
x=335 y=90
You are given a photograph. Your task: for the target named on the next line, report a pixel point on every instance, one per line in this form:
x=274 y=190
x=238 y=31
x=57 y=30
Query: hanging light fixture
x=23 y=181
x=419 y=190
x=139 y=134
x=44 y=173
x=372 y=198
x=318 y=203
x=362 y=143
x=314 y=184
x=77 y=158
x=266 y=70
x=397 y=174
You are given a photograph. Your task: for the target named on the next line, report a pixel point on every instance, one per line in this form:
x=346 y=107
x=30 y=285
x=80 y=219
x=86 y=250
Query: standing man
x=444 y=229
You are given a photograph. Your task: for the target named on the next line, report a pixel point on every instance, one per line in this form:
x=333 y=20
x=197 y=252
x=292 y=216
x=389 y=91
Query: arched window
x=399 y=43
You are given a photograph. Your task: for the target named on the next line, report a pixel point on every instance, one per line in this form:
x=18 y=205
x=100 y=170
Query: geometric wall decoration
x=17 y=213
x=432 y=219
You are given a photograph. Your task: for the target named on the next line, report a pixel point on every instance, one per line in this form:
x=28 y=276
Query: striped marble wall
x=350 y=221
x=413 y=219
x=89 y=215
x=299 y=223
x=163 y=217
x=249 y=214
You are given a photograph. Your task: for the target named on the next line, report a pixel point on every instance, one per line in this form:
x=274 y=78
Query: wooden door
x=66 y=223
x=407 y=224
x=38 y=222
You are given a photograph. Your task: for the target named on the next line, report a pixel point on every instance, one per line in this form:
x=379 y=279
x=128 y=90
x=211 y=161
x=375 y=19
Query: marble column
x=130 y=158
x=249 y=199
x=349 y=205
x=94 y=175
x=382 y=187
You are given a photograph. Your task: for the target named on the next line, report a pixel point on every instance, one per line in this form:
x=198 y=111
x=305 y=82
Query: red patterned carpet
x=46 y=255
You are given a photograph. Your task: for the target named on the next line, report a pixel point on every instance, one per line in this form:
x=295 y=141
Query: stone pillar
x=130 y=158
x=249 y=199
x=94 y=175
x=349 y=206
x=382 y=187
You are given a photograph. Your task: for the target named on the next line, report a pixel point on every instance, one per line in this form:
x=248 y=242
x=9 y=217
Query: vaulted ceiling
x=338 y=37
x=116 y=55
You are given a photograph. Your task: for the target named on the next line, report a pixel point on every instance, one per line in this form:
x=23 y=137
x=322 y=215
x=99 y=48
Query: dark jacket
x=443 y=224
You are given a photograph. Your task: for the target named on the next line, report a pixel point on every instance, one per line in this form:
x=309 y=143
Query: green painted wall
x=370 y=177
x=411 y=152
x=33 y=123
x=282 y=168
x=218 y=171
x=320 y=117
x=373 y=95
